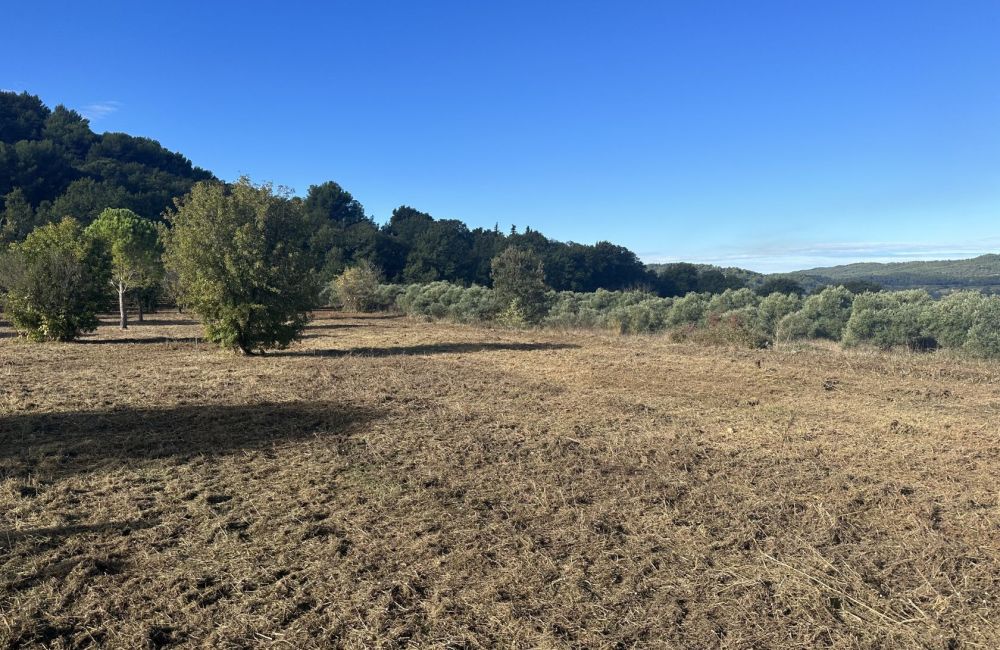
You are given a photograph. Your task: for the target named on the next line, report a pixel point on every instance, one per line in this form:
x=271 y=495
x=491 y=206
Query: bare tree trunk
x=123 y=315
x=139 y=302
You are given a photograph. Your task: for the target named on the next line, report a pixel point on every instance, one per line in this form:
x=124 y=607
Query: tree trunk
x=139 y=303
x=123 y=315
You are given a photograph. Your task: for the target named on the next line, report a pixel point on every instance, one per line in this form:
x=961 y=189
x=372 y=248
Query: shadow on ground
x=430 y=348
x=141 y=341
x=52 y=445
x=54 y=533
x=160 y=321
x=332 y=326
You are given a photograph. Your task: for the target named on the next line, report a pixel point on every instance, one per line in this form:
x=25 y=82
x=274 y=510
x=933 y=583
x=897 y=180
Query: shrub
x=984 y=334
x=773 y=308
x=950 y=318
x=646 y=317
x=889 y=319
x=823 y=315
x=793 y=327
x=357 y=288
x=53 y=283
x=445 y=300
x=240 y=258
x=732 y=299
x=689 y=310
x=739 y=327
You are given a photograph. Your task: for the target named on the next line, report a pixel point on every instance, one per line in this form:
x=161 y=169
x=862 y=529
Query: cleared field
x=389 y=482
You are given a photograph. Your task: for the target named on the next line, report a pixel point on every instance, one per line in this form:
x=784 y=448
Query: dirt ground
x=388 y=482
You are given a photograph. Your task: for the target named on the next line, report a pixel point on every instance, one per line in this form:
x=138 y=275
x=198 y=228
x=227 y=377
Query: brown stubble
x=388 y=481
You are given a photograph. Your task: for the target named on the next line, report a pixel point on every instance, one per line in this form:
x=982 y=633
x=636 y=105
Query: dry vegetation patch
x=388 y=482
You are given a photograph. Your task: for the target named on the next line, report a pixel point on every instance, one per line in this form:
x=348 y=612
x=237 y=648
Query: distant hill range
x=942 y=276
x=979 y=273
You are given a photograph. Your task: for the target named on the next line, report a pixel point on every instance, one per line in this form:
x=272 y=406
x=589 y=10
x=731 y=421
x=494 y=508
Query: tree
x=52 y=283
x=241 y=259
x=519 y=282
x=17 y=218
x=135 y=253
x=780 y=285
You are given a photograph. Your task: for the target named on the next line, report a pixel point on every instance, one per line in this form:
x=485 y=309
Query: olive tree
x=239 y=257
x=52 y=284
x=135 y=253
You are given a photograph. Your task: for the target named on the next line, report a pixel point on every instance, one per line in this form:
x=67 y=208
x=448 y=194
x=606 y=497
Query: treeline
x=968 y=321
x=414 y=247
x=52 y=166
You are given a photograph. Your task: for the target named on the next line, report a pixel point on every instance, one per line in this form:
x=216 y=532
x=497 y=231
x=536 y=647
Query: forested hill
x=52 y=165
x=980 y=273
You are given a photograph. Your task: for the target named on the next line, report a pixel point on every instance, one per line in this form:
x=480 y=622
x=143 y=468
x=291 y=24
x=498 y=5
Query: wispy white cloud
x=778 y=257
x=100 y=110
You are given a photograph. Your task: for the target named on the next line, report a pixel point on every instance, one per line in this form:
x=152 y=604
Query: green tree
x=135 y=253
x=52 y=283
x=17 y=218
x=241 y=260
x=519 y=282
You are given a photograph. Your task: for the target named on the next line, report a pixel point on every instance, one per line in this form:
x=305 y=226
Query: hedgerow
x=966 y=322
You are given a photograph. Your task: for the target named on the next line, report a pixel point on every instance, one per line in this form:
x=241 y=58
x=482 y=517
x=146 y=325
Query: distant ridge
x=978 y=273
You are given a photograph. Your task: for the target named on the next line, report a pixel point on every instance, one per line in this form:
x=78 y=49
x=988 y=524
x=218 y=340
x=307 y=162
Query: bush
x=239 y=255
x=732 y=299
x=889 y=319
x=689 y=310
x=739 y=327
x=950 y=318
x=823 y=316
x=473 y=304
x=773 y=308
x=984 y=334
x=646 y=317
x=357 y=288
x=53 y=283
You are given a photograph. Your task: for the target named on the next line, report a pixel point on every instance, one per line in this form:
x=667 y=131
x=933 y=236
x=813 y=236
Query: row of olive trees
x=237 y=255
x=964 y=321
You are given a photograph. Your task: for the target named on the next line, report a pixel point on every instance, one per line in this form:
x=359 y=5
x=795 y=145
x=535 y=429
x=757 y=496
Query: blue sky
x=769 y=135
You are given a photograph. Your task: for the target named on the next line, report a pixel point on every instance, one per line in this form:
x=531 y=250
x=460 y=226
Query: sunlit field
x=389 y=482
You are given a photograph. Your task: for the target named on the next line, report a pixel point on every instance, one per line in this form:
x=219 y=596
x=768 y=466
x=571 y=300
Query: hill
x=53 y=165
x=978 y=273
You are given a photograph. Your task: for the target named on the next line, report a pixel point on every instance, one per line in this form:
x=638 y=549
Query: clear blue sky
x=771 y=135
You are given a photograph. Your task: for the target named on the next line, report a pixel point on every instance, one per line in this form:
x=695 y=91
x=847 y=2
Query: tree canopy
x=241 y=260
x=62 y=168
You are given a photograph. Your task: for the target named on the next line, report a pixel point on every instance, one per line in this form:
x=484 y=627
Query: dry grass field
x=391 y=483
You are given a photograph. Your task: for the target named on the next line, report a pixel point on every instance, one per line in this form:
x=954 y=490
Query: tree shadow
x=332 y=326
x=328 y=315
x=429 y=348
x=161 y=322
x=10 y=537
x=147 y=340
x=51 y=445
